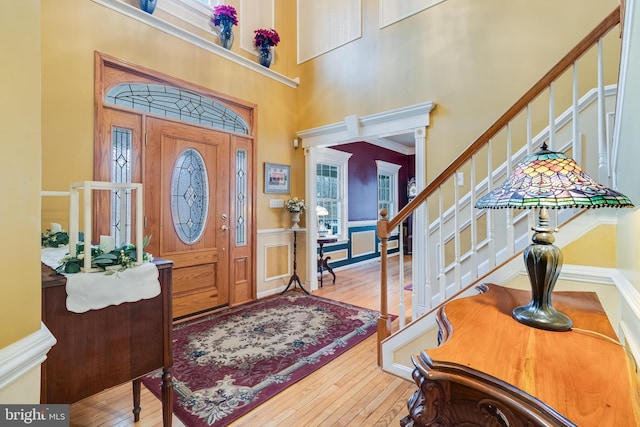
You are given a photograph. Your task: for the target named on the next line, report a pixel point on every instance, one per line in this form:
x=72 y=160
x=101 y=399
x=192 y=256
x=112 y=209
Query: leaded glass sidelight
x=241 y=197
x=177 y=104
x=189 y=196
x=121 y=173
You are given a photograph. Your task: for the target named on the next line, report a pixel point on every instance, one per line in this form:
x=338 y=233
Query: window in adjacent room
x=331 y=189
x=387 y=187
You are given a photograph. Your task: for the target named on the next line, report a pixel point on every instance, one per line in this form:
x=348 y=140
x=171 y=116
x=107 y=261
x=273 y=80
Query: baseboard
x=21 y=357
x=629 y=324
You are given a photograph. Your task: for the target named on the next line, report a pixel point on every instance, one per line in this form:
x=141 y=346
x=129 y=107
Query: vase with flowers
x=225 y=17
x=148 y=5
x=264 y=40
x=295 y=207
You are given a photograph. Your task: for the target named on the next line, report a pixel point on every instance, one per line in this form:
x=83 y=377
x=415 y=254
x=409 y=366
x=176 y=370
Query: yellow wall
x=628 y=246
x=20 y=171
x=73 y=29
x=597 y=248
x=474 y=59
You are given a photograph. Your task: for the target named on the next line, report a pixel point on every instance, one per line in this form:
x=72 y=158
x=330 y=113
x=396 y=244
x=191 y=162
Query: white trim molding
x=629 y=322
x=182 y=34
x=371 y=128
x=19 y=358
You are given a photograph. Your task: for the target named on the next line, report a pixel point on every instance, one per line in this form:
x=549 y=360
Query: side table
x=295 y=280
x=491 y=370
x=323 y=262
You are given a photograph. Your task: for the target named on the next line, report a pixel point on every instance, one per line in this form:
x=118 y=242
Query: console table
x=491 y=370
x=323 y=262
x=103 y=348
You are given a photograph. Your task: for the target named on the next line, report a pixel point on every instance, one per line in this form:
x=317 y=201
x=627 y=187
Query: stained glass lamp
x=547 y=180
x=322 y=229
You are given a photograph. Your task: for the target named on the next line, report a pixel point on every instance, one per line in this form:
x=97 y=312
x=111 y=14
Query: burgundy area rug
x=227 y=363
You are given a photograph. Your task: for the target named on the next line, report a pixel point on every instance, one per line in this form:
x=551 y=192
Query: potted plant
x=264 y=40
x=225 y=17
x=295 y=207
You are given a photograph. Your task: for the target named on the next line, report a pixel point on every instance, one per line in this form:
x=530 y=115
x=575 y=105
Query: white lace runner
x=93 y=291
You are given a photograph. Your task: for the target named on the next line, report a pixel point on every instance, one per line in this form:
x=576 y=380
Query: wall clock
x=412 y=190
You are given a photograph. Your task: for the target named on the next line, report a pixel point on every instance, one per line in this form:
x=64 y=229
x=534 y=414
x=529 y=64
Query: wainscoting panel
x=278 y=261
x=274 y=260
x=363 y=242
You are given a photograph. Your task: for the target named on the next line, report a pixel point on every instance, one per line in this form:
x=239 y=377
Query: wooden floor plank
x=350 y=390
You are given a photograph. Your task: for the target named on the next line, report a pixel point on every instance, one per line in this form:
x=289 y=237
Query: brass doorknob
x=224 y=228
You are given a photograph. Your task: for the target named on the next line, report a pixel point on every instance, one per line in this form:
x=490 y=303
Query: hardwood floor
x=349 y=391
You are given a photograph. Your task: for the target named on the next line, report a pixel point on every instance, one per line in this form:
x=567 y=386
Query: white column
x=603 y=168
x=310 y=156
x=421 y=286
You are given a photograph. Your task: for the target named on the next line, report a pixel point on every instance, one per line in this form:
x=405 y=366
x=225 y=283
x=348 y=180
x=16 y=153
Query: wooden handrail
x=385 y=226
x=574 y=54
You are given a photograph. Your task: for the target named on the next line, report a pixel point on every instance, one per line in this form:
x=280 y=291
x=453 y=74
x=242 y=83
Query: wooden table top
x=328 y=239
x=582 y=373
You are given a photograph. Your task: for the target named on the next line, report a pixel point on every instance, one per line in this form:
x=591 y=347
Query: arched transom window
x=177 y=104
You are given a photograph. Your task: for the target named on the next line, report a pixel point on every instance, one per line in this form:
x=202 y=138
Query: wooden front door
x=187 y=210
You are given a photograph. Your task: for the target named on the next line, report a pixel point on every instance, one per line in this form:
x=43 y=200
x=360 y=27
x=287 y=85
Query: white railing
x=505 y=232
x=462 y=243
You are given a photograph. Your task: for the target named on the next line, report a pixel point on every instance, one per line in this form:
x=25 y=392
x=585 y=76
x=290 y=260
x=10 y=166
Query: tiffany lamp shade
x=544 y=180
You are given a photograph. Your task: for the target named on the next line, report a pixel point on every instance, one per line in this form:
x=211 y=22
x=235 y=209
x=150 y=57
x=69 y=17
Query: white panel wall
x=255 y=14
x=326 y=25
x=393 y=10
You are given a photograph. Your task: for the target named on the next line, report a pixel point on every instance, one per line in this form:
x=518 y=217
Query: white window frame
x=339 y=159
x=390 y=170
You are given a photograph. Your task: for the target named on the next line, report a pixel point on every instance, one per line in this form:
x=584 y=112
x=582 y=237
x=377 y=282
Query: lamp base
x=543 y=261
x=548 y=318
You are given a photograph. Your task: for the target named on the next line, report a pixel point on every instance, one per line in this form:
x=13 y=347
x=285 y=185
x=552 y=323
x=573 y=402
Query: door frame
x=410 y=121
x=109 y=72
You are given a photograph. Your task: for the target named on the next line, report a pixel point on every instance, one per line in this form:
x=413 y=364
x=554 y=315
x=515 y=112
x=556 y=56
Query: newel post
x=384 y=323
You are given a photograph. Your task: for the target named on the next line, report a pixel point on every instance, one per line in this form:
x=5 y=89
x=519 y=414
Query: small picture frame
x=277 y=178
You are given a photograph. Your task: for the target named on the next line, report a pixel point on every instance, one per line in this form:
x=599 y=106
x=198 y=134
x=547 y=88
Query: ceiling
x=403 y=143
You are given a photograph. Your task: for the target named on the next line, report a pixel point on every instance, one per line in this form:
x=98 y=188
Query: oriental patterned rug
x=227 y=363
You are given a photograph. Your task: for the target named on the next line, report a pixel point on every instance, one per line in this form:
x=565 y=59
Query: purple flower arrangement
x=264 y=39
x=224 y=14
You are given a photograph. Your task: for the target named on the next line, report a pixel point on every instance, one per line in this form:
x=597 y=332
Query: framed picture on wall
x=277 y=178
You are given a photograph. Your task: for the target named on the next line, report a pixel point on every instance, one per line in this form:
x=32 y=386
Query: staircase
x=464 y=246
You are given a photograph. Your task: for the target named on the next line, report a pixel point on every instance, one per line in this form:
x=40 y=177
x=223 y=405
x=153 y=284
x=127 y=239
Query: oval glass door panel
x=189 y=195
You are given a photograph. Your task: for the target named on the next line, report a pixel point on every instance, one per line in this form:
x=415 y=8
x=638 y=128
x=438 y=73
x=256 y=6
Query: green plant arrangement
x=53 y=239
x=295 y=205
x=114 y=261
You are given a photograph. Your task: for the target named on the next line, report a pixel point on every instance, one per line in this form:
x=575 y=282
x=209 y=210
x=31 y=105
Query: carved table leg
x=325 y=263
x=167 y=397
x=136 y=399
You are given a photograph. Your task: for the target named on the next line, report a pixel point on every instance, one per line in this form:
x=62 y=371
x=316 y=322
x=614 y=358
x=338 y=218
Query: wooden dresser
x=103 y=348
x=493 y=371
